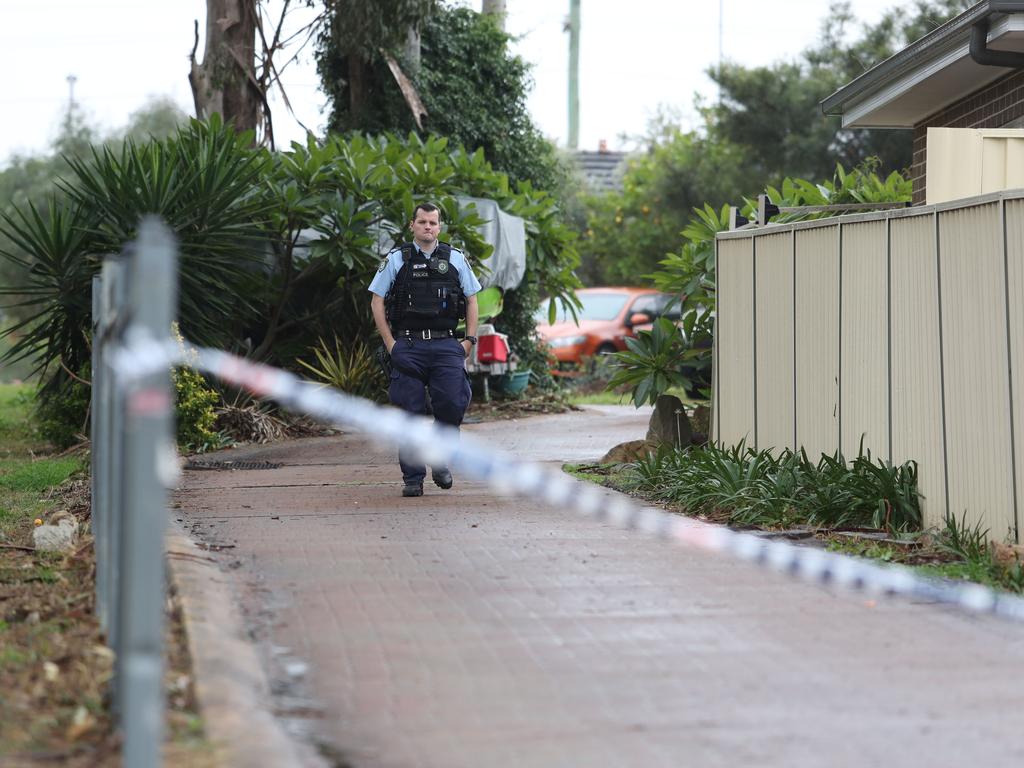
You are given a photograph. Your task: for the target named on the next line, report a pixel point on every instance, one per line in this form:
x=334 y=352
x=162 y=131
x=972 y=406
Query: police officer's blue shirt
x=388 y=271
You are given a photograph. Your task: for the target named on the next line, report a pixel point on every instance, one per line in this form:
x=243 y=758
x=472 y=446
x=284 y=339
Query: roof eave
x=951 y=34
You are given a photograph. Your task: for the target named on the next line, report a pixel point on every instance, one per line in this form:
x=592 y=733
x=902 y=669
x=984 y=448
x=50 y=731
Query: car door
x=650 y=305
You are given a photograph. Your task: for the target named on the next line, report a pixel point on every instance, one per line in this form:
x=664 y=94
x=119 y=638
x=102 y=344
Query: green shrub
x=748 y=487
x=62 y=411
x=353 y=369
x=969 y=543
x=194 y=410
x=658 y=360
x=276 y=248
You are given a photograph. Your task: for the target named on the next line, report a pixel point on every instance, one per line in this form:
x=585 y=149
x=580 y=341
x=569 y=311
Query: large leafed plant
x=277 y=249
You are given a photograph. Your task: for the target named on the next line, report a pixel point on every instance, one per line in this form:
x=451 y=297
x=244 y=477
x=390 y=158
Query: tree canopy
x=773 y=113
x=767 y=126
x=473 y=88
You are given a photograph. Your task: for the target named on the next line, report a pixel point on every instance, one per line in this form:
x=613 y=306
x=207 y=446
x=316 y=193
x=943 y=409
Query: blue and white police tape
x=436 y=444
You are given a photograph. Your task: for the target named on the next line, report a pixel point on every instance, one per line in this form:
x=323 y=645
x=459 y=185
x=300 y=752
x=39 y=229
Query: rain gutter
x=954 y=32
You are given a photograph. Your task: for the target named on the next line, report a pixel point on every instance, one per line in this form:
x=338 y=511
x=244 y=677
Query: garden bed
x=862 y=508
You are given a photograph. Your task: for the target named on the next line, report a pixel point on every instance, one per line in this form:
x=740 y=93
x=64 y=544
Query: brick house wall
x=998 y=105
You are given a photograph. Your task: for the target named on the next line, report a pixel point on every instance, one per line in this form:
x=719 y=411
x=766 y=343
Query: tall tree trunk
x=225 y=81
x=358 y=72
x=495 y=8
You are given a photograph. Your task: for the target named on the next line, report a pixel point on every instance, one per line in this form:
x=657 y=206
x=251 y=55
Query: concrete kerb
x=231 y=688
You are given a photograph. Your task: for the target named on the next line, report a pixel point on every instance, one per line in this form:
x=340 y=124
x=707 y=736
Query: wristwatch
x=471 y=340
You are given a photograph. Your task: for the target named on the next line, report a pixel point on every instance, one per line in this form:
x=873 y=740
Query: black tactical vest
x=426 y=292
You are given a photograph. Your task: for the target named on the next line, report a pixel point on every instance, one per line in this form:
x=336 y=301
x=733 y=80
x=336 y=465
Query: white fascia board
x=859 y=114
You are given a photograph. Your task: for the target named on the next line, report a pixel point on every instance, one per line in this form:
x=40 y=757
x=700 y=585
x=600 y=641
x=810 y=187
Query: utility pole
x=573 y=28
x=495 y=8
x=721 y=37
x=71 y=79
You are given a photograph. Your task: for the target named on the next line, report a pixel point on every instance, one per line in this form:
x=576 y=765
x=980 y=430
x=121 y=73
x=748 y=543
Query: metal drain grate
x=223 y=466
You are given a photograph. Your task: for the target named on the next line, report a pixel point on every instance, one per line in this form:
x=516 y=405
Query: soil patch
x=518 y=408
x=55 y=669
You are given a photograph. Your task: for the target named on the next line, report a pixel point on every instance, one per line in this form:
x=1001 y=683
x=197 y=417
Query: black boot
x=442 y=477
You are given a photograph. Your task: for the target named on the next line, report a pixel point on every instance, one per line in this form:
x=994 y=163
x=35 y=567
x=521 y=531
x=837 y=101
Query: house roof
x=601 y=169
x=930 y=74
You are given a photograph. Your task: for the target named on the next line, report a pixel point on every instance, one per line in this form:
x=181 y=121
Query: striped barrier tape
x=441 y=445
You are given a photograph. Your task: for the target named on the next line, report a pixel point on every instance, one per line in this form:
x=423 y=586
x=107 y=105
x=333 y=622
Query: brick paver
x=463 y=630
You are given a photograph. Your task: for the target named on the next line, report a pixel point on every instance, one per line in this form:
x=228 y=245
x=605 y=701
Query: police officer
x=420 y=292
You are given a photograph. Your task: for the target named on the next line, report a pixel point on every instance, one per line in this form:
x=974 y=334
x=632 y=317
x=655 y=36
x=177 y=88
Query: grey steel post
x=99 y=447
x=149 y=461
x=113 y=422
x=574 y=74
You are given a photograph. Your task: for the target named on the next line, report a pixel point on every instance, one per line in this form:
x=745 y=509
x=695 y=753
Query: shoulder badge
x=383 y=265
x=442 y=266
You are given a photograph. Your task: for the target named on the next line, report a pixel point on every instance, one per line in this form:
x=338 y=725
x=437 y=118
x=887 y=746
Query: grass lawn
x=599 y=398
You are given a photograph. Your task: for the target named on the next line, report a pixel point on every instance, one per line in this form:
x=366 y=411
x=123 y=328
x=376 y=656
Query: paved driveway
x=463 y=630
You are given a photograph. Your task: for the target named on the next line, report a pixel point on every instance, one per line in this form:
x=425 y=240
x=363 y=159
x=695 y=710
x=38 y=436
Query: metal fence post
x=149 y=460
x=99 y=447
x=114 y=311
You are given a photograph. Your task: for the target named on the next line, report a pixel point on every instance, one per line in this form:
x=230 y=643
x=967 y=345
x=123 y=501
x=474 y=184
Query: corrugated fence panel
x=1015 y=272
x=817 y=337
x=975 y=357
x=916 y=360
x=774 y=260
x=864 y=364
x=735 y=324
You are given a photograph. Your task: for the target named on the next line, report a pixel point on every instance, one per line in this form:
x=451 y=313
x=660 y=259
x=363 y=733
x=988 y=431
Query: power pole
x=721 y=37
x=495 y=8
x=573 y=28
x=72 y=79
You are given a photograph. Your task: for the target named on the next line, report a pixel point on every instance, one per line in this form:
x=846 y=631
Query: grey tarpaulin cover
x=507 y=233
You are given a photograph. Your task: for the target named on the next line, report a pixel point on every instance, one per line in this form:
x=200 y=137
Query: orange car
x=607 y=317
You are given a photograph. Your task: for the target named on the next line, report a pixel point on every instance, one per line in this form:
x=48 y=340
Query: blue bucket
x=514 y=383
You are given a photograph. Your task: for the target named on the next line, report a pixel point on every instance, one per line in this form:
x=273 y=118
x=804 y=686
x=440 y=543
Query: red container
x=492 y=349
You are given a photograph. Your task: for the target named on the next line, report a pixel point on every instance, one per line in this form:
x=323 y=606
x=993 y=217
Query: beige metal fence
x=901 y=330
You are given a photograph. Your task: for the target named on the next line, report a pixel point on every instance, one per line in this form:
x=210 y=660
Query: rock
x=59 y=537
x=1007 y=554
x=81 y=723
x=669 y=425
x=627 y=453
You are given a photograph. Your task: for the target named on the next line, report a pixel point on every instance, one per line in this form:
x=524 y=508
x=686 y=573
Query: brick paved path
x=461 y=630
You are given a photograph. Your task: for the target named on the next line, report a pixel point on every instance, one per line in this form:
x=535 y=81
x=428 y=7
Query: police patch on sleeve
x=383 y=265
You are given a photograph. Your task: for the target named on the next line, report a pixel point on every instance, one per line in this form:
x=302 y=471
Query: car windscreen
x=596 y=306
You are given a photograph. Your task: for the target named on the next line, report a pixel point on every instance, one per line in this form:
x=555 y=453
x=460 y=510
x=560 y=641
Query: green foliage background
x=670 y=356
x=277 y=248
x=473 y=87
x=766 y=126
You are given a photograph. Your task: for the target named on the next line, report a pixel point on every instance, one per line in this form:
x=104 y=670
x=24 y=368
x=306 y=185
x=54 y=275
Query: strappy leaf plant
x=352 y=369
x=761 y=488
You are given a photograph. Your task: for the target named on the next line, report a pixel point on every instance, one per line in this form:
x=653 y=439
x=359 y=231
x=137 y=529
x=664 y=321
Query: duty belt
x=428 y=334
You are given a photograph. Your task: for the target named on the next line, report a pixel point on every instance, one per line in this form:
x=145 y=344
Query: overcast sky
x=634 y=56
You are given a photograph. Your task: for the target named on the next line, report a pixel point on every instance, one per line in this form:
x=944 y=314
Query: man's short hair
x=427 y=208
